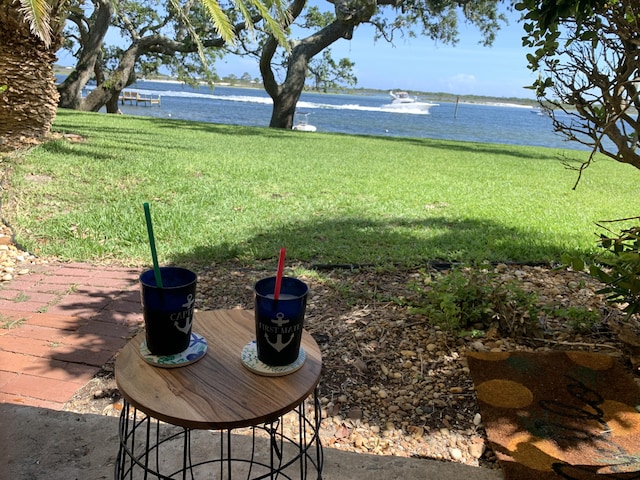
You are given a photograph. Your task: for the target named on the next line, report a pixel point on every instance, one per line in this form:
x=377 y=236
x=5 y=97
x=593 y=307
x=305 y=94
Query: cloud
x=462 y=80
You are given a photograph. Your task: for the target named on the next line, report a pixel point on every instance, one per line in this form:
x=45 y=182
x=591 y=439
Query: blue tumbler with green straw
x=168 y=310
x=168 y=299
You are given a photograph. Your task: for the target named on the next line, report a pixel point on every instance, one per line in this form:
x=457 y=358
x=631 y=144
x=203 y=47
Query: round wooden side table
x=178 y=422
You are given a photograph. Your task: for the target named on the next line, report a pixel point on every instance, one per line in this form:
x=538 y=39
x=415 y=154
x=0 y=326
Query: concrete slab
x=37 y=443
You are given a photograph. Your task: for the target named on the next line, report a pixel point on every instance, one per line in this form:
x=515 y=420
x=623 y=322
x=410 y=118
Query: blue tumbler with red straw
x=280 y=305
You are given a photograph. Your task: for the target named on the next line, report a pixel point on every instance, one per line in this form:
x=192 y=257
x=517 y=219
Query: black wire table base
x=288 y=448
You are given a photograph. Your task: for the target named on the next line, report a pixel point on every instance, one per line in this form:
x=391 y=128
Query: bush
x=466 y=300
x=618 y=268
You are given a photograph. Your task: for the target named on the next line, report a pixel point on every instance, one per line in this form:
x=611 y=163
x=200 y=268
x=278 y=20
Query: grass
x=7 y=323
x=220 y=192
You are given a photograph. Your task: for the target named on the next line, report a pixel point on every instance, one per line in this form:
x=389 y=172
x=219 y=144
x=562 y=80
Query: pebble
x=355 y=413
x=477 y=449
x=456 y=454
x=12 y=260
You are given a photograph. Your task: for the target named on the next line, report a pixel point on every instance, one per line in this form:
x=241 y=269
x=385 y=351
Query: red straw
x=276 y=292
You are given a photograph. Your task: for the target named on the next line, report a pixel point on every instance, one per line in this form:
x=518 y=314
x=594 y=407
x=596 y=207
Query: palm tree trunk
x=28 y=105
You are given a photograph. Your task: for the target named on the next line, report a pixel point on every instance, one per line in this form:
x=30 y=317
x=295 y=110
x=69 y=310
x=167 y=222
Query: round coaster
x=194 y=352
x=250 y=360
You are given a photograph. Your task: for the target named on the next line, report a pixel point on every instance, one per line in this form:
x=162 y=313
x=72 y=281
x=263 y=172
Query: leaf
x=37 y=14
x=220 y=20
x=577 y=264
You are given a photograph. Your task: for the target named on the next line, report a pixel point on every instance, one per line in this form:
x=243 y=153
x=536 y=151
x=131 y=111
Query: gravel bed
x=392 y=384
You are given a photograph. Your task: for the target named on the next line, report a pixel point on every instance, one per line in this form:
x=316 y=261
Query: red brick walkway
x=59 y=324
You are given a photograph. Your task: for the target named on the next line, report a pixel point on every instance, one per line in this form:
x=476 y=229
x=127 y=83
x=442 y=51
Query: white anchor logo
x=187 y=325
x=279 y=345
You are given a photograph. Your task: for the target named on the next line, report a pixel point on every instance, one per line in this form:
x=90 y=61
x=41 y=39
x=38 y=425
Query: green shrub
x=466 y=300
x=618 y=268
x=580 y=319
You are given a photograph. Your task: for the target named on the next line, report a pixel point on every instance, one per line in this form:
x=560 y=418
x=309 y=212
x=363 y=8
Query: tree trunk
x=112 y=104
x=28 y=105
x=70 y=90
x=285 y=97
x=107 y=93
x=284 y=103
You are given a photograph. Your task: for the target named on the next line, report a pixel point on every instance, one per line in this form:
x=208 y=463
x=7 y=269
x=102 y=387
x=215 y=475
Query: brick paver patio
x=59 y=324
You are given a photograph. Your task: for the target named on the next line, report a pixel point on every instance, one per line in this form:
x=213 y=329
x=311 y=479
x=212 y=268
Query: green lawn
x=221 y=192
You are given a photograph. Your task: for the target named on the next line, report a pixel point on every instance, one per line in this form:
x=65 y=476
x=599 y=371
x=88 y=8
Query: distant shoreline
x=227 y=84
x=464 y=102
x=432 y=96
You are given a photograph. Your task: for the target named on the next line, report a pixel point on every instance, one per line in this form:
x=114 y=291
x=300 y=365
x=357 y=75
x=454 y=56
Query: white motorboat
x=402 y=101
x=303 y=124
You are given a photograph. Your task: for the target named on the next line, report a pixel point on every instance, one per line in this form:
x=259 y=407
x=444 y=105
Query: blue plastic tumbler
x=168 y=311
x=279 y=323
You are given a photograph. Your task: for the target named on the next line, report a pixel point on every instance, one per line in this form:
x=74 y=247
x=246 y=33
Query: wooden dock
x=138 y=99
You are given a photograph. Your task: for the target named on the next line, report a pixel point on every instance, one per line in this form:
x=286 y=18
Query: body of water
x=353 y=114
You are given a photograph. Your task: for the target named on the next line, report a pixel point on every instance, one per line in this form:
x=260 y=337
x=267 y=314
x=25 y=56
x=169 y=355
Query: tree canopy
x=587 y=55
x=284 y=72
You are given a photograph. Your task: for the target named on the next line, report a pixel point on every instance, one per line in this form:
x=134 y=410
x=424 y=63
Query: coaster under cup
x=194 y=352
x=250 y=360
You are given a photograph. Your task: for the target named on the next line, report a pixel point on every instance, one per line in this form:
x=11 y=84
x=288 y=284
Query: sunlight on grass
x=221 y=192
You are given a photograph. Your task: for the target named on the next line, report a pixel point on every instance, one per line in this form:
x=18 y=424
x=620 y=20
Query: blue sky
x=419 y=64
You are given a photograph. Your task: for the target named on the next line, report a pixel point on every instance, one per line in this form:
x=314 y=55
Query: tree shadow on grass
x=135 y=128
x=449 y=145
x=392 y=241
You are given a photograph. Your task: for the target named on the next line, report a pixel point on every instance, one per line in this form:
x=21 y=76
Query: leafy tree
x=328 y=74
x=586 y=54
x=176 y=34
x=88 y=34
x=435 y=19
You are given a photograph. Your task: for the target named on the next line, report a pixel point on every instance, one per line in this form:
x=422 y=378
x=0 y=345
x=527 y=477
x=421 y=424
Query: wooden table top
x=217 y=392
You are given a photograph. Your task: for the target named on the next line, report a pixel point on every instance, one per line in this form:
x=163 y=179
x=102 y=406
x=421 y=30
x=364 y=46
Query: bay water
x=353 y=114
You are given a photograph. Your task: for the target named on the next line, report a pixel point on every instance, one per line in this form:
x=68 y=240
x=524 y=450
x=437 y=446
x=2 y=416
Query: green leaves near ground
x=220 y=192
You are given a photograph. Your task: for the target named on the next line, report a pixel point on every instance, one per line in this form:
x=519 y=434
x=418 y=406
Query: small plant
x=7 y=323
x=467 y=300
x=618 y=268
x=580 y=319
x=21 y=297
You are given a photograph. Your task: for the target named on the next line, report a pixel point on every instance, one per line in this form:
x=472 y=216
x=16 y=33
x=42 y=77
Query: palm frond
x=192 y=31
x=37 y=14
x=274 y=23
x=220 y=20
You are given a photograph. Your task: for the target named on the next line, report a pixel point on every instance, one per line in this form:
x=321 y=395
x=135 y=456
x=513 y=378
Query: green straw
x=152 y=243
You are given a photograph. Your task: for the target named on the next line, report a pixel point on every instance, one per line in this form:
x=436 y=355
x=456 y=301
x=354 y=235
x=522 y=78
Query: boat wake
x=264 y=100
